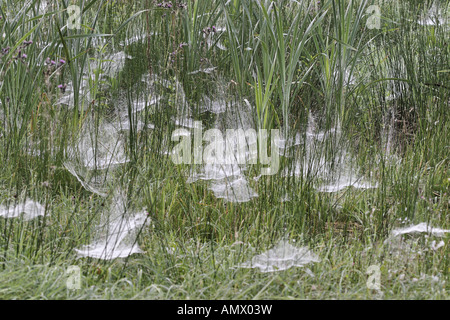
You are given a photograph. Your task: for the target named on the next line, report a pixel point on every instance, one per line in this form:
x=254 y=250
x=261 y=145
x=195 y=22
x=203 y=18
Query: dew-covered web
x=434 y=16
x=116 y=234
x=281 y=257
x=420 y=228
x=27 y=210
x=330 y=173
x=97 y=151
x=108 y=65
x=222 y=168
x=407 y=244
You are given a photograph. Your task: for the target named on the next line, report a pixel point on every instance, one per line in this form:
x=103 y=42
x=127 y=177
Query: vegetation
x=380 y=94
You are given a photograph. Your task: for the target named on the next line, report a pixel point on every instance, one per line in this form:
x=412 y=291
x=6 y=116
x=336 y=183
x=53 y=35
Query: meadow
x=95 y=95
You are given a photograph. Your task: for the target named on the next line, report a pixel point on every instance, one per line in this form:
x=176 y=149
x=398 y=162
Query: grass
x=288 y=61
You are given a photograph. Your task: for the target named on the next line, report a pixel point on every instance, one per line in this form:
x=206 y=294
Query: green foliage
x=288 y=59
